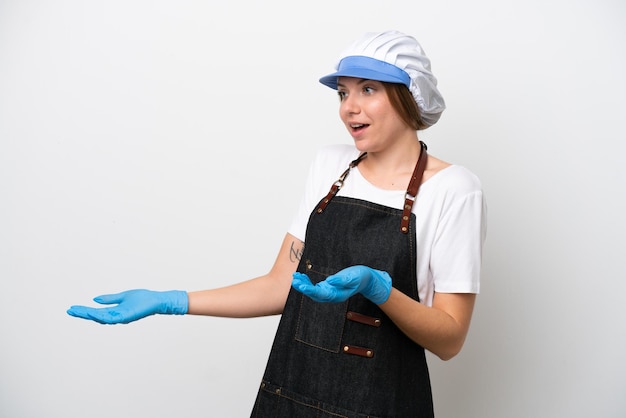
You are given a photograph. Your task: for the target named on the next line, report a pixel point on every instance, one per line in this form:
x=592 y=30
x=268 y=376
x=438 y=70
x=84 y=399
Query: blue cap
x=392 y=57
x=367 y=68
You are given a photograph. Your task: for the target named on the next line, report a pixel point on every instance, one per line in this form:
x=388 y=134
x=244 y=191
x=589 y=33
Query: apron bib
x=348 y=359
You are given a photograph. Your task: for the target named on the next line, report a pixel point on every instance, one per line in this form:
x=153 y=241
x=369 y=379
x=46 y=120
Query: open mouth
x=355 y=127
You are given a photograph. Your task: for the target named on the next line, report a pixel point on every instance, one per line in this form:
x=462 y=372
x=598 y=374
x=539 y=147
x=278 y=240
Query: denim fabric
x=308 y=373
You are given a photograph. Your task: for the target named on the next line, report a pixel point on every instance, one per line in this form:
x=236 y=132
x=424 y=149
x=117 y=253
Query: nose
x=350 y=105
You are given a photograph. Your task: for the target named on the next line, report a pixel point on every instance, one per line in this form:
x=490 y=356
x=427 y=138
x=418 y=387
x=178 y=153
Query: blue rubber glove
x=373 y=284
x=133 y=305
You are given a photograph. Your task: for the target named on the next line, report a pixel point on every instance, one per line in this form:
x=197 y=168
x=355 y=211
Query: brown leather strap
x=414 y=185
x=363 y=319
x=409 y=197
x=358 y=351
x=338 y=184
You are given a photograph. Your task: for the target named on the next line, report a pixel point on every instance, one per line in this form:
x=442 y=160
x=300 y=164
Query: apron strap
x=414 y=186
x=409 y=197
x=338 y=184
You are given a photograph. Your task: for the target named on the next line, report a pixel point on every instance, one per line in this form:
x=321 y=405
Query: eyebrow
x=360 y=81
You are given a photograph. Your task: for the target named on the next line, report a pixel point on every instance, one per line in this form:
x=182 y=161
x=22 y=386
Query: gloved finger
x=345 y=280
x=110 y=299
x=79 y=311
x=300 y=279
x=85 y=312
x=303 y=285
x=324 y=292
x=101 y=316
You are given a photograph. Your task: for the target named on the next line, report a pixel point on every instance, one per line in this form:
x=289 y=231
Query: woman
x=385 y=273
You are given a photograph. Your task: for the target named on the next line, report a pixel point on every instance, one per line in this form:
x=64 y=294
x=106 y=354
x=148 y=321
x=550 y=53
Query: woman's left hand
x=373 y=284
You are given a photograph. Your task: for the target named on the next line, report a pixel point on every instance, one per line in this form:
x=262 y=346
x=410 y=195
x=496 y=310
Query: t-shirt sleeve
x=456 y=256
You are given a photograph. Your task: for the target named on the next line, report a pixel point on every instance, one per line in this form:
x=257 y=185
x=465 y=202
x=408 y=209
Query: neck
x=397 y=159
x=392 y=168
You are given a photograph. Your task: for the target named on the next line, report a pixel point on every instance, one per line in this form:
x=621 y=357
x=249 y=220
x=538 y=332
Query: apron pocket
x=321 y=325
x=274 y=401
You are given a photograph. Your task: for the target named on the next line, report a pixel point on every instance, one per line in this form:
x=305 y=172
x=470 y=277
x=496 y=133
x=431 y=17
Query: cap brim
x=366 y=68
x=331 y=79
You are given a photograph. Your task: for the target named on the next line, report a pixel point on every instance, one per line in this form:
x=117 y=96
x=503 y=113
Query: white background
x=163 y=144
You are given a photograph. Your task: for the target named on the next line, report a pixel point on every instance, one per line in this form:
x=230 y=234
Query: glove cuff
x=381 y=288
x=176 y=302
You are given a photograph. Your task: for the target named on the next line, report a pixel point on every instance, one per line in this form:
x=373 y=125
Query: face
x=368 y=115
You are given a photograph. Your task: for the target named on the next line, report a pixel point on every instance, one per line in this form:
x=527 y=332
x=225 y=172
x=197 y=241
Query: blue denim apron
x=348 y=359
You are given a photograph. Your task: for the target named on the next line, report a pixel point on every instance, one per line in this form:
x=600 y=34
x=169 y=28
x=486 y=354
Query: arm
x=264 y=295
x=455 y=257
x=441 y=329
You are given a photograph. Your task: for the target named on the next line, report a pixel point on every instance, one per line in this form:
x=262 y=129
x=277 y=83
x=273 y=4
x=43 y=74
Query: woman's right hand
x=132 y=305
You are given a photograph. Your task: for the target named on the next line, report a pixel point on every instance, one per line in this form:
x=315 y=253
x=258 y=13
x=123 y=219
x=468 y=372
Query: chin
x=363 y=146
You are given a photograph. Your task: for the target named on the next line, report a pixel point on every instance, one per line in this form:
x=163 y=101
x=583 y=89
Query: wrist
x=175 y=302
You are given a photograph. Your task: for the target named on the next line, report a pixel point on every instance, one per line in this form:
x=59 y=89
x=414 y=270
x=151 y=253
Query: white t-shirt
x=450 y=211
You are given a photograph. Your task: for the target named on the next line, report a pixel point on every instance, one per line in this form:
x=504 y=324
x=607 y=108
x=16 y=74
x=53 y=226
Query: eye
x=342 y=95
x=368 y=89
